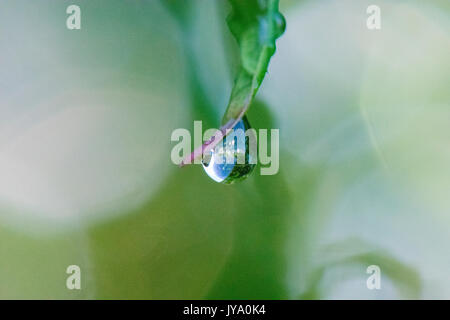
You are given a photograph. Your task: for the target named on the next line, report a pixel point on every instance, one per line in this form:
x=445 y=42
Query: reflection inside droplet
x=234 y=158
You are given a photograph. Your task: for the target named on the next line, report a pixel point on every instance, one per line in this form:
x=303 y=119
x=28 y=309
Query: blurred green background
x=86 y=178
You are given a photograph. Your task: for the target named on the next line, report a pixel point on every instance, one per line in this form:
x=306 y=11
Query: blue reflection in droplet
x=223 y=164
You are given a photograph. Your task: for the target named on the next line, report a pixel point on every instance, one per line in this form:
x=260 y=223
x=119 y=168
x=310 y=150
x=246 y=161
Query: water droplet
x=280 y=24
x=232 y=160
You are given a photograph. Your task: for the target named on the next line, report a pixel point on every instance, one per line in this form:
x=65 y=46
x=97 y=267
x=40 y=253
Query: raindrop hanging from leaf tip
x=234 y=158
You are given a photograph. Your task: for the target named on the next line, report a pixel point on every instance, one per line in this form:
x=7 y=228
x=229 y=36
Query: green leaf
x=256 y=25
